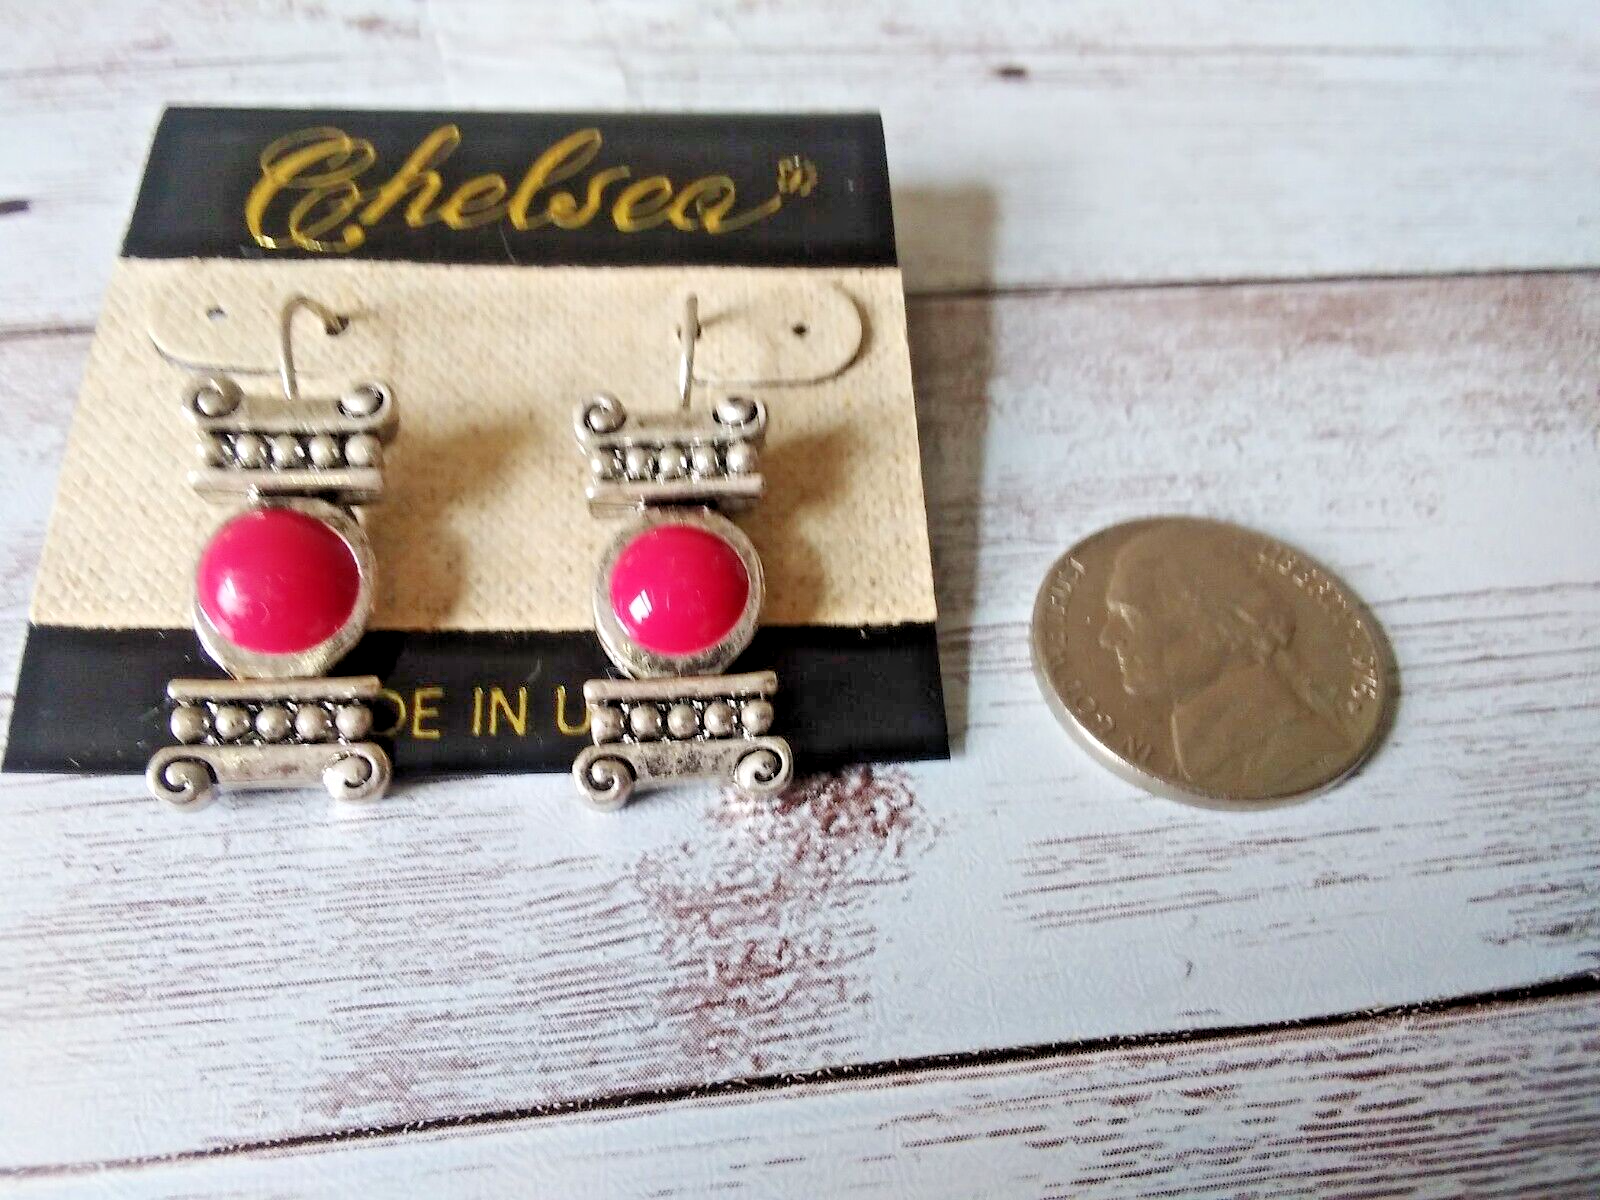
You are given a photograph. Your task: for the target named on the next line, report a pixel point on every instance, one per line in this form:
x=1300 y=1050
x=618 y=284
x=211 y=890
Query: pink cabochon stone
x=276 y=581
x=678 y=589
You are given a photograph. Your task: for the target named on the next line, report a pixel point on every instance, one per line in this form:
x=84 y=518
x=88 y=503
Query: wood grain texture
x=274 y=969
x=82 y=85
x=1499 y=1102
x=1051 y=144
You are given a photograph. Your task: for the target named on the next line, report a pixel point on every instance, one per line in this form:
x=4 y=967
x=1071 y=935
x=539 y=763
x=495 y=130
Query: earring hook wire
x=688 y=335
x=332 y=323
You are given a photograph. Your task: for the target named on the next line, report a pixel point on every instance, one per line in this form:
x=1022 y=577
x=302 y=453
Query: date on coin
x=1211 y=664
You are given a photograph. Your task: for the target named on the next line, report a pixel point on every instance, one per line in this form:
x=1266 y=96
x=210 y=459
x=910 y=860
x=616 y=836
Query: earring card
x=497 y=268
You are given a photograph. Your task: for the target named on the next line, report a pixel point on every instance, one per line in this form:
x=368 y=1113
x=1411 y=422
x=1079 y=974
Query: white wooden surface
x=1487 y=1103
x=273 y=971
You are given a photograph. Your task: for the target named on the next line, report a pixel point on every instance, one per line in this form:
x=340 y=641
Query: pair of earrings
x=283 y=590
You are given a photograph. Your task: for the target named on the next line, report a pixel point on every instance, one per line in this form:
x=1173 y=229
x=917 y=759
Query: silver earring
x=283 y=587
x=677 y=596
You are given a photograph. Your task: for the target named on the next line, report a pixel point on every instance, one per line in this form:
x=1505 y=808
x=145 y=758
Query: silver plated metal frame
x=710 y=458
x=253 y=664
x=241 y=438
x=639 y=661
x=675 y=718
x=731 y=744
x=260 y=754
x=277 y=724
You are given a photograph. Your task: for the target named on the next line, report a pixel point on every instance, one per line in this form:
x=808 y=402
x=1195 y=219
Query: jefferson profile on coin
x=1194 y=627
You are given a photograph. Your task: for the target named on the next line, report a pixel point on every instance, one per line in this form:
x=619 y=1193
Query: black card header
x=585 y=189
x=483 y=702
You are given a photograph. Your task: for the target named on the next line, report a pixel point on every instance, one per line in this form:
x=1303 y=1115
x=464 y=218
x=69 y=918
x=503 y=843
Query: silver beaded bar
x=686 y=457
x=664 y=730
x=240 y=734
x=269 y=445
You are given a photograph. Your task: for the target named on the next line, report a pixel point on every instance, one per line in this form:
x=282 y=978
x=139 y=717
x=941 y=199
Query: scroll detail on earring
x=677 y=596
x=283 y=588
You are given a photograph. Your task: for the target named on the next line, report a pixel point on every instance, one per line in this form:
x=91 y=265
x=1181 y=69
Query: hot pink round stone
x=678 y=589
x=276 y=581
